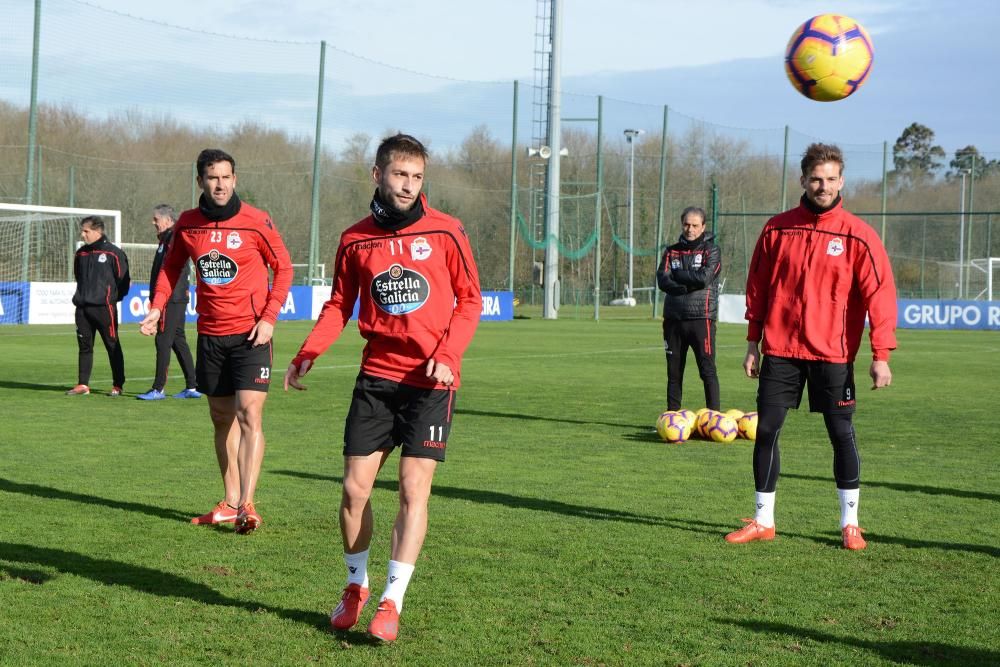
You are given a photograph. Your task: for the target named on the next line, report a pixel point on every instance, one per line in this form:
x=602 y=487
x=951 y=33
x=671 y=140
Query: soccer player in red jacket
x=817 y=272
x=232 y=245
x=413 y=271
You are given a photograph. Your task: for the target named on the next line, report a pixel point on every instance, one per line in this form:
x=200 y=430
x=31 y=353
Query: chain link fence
x=119 y=129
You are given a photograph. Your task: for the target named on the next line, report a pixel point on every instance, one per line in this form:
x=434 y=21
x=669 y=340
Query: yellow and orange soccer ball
x=829 y=57
x=674 y=427
x=677 y=426
x=747 y=424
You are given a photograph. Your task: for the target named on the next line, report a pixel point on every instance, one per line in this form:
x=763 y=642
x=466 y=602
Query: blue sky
x=719 y=61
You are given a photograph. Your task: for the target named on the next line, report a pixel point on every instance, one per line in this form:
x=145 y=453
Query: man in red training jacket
x=413 y=271
x=817 y=272
x=232 y=245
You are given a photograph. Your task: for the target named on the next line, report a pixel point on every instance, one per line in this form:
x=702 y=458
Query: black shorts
x=227 y=364
x=385 y=414
x=831 y=386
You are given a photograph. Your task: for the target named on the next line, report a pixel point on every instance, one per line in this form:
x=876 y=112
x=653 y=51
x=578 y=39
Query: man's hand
x=148 y=324
x=294 y=372
x=440 y=372
x=751 y=363
x=261 y=333
x=881 y=375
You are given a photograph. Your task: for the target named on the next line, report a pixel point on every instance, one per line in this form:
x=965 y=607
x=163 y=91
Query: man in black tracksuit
x=689 y=274
x=102 y=280
x=170 y=332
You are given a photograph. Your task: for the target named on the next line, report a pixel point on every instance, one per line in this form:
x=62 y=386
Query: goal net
x=140 y=259
x=37 y=243
x=976 y=280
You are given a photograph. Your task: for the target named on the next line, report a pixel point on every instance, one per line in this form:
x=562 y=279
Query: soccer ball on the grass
x=748 y=426
x=721 y=428
x=829 y=57
x=702 y=418
x=734 y=414
x=672 y=427
x=690 y=416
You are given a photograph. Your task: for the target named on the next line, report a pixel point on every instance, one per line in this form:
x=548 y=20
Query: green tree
x=969 y=158
x=915 y=156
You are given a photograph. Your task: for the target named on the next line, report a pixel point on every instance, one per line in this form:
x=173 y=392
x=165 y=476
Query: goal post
x=37 y=243
x=987 y=267
x=302 y=274
x=37 y=247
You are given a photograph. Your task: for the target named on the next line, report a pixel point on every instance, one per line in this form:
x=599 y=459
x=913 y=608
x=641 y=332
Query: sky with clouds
x=715 y=60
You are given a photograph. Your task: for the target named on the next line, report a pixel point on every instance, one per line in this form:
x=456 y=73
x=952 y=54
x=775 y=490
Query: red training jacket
x=812 y=280
x=419 y=292
x=230 y=259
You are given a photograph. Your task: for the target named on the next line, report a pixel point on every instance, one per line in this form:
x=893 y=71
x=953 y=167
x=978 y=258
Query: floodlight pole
x=550 y=303
x=630 y=136
x=961 y=235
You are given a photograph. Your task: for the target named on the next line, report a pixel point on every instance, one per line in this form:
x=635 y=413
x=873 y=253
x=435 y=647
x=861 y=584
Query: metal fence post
x=513 y=191
x=317 y=155
x=885 y=184
x=29 y=177
x=599 y=203
x=784 y=175
x=660 y=203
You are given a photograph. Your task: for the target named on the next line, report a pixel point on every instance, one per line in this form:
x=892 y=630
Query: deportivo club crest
x=836 y=247
x=696 y=261
x=399 y=290
x=420 y=248
x=233 y=241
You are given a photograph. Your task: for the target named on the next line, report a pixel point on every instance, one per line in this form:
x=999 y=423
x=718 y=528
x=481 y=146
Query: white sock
x=765 y=509
x=357 y=568
x=849 y=499
x=396 y=582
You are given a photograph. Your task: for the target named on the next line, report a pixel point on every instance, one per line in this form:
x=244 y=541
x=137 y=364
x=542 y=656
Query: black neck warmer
x=219 y=213
x=684 y=243
x=390 y=218
x=813 y=208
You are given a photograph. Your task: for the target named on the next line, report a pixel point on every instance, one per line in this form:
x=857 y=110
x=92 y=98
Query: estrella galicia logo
x=399 y=290
x=216 y=269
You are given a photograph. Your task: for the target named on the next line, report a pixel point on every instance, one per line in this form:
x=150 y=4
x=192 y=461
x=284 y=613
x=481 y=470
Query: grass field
x=562 y=531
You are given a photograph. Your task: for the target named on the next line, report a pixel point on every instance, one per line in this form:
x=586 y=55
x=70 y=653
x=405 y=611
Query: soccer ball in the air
x=748 y=426
x=672 y=427
x=721 y=428
x=829 y=57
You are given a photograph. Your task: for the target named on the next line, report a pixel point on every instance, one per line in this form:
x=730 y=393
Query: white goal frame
x=30 y=215
x=67 y=211
x=40 y=266
x=317 y=280
x=987 y=265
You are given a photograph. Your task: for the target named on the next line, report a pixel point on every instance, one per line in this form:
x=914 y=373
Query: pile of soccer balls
x=676 y=426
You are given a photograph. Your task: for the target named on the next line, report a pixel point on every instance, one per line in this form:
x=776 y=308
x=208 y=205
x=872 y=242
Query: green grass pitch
x=562 y=532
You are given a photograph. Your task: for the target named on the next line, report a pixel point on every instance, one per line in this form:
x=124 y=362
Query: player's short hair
x=165 y=211
x=96 y=222
x=698 y=210
x=818 y=154
x=397 y=146
x=210 y=156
